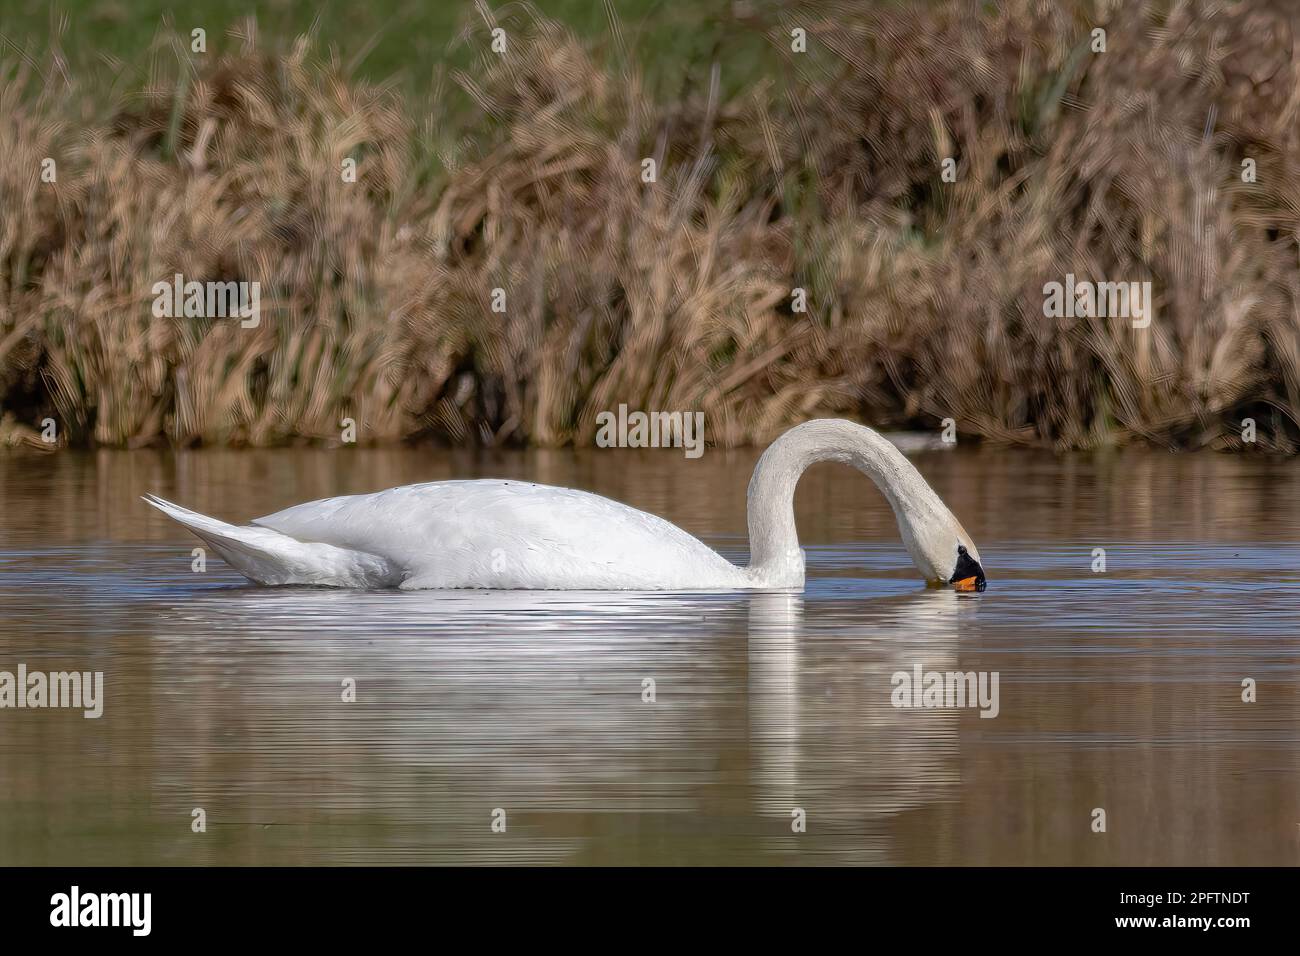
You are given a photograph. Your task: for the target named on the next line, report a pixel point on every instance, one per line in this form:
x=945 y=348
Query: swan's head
x=943 y=551
x=967 y=572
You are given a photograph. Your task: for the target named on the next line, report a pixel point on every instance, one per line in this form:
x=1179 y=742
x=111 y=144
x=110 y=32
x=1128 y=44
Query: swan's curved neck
x=775 y=556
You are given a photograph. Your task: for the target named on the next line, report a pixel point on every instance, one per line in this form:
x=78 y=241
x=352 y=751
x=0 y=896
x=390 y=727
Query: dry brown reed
x=925 y=297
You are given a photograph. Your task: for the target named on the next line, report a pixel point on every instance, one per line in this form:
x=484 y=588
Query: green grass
x=406 y=40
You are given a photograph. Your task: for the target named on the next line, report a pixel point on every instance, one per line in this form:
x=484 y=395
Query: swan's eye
x=961 y=549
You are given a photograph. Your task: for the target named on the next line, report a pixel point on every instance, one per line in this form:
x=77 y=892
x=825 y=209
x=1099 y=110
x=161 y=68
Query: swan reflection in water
x=824 y=735
x=592 y=718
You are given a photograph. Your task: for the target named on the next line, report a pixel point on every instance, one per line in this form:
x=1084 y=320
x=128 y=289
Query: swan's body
x=510 y=534
x=479 y=534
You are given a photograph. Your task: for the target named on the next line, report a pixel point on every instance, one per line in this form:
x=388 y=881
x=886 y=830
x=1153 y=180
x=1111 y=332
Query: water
x=1119 y=691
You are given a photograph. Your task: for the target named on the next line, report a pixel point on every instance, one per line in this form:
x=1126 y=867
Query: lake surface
x=1119 y=690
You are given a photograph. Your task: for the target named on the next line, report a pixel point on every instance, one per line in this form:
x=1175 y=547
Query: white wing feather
x=468 y=534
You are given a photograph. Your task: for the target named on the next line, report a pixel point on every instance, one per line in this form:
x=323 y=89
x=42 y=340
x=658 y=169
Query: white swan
x=512 y=534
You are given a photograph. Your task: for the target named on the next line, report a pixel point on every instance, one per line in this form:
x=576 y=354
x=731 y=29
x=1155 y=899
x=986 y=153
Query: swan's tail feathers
x=269 y=557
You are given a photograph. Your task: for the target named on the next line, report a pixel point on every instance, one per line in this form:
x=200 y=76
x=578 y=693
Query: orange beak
x=966 y=584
